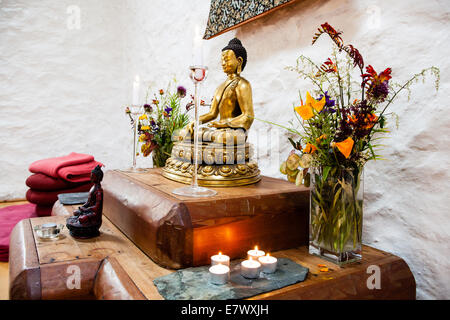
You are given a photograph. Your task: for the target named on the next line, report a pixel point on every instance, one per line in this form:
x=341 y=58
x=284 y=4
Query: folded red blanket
x=78 y=173
x=49 y=198
x=42 y=182
x=51 y=166
x=9 y=217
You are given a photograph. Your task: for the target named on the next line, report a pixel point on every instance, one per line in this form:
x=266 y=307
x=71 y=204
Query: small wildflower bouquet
x=341 y=121
x=160 y=119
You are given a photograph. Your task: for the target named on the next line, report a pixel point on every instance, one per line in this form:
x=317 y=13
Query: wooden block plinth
x=179 y=232
x=112 y=267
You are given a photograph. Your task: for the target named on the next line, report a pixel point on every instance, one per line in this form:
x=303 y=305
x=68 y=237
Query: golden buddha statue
x=224 y=156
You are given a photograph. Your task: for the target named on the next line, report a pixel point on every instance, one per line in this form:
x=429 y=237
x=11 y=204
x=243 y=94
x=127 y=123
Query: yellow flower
x=306 y=110
x=345 y=147
x=143 y=117
x=142 y=138
x=145 y=128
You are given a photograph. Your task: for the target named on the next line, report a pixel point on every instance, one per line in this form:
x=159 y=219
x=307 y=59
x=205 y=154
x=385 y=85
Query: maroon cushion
x=42 y=182
x=43 y=211
x=9 y=217
x=48 y=198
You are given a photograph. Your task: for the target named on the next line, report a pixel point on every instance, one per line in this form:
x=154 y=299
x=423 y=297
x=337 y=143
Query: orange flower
x=345 y=147
x=306 y=110
x=309 y=148
x=161 y=91
x=319 y=139
x=369 y=121
x=352 y=119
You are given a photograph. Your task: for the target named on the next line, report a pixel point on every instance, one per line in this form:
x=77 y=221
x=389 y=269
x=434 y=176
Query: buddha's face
x=229 y=62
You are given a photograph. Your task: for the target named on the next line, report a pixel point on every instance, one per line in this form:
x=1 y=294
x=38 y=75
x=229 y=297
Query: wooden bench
x=112 y=267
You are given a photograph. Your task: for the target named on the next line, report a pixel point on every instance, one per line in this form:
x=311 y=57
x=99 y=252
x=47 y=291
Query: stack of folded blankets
x=53 y=176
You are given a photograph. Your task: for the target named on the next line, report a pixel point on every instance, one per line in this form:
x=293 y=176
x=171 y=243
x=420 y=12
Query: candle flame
x=220 y=253
x=256 y=247
x=268 y=254
x=251 y=258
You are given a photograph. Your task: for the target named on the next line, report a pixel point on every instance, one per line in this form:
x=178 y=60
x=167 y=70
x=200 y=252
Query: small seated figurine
x=87 y=219
x=225 y=158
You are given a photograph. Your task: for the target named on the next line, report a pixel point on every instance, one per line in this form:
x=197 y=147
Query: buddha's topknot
x=236 y=46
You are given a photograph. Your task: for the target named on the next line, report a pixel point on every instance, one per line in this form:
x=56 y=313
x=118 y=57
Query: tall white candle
x=219 y=274
x=136 y=87
x=255 y=253
x=197 y=52
x=220 y=259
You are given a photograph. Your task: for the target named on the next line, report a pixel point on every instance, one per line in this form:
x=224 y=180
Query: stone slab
x=193 y=283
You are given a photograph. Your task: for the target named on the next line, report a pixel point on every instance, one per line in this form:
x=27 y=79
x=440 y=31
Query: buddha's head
x=234 y=57
x=97 y=174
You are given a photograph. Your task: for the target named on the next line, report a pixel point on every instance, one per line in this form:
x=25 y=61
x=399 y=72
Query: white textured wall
x=61 y=89
x=53 y=80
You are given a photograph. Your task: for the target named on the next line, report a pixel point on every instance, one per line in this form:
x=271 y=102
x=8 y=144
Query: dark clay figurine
x=87 y=219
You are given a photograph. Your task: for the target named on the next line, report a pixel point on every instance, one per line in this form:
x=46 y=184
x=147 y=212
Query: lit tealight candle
x=250 y=268
x=220 y=259
x=255 y=253
x=268 y=263
x=219 y=274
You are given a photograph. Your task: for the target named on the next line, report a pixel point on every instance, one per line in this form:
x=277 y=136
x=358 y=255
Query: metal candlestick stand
x=197 y=75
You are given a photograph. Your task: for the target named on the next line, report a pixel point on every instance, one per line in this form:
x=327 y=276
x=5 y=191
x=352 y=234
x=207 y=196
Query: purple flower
x=328 y=103
x=181 y=91
x=379 y=91
x=167 y=109
x=148 y=108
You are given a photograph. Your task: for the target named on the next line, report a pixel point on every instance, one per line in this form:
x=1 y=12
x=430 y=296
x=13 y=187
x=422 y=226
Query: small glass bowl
x=48 y=230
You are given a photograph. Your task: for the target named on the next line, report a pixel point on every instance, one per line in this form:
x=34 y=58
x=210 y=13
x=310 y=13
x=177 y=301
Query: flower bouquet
x=159 y=121
x=339 y=125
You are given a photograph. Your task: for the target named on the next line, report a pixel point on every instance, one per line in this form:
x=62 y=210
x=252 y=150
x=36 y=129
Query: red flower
x=334 y=35
x=377 y=84
x=328 y=66
x=355 y=55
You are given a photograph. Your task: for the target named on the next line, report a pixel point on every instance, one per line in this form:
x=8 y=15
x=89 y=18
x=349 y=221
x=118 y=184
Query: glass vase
x=336 y=213
x=160 y=156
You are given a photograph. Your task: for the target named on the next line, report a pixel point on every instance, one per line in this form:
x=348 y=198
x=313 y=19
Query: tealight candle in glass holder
x=219 y=274
x=250 y=268
x=220 y=259
x=268 y=263
x=255 y=253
